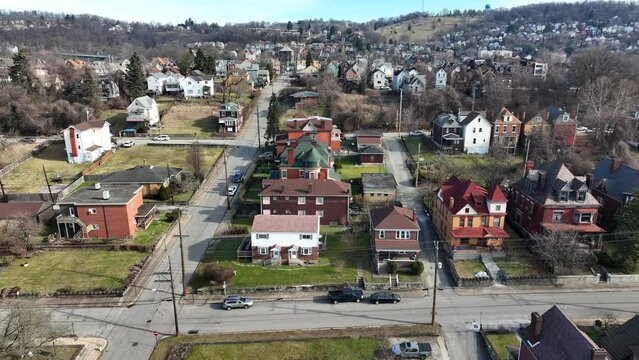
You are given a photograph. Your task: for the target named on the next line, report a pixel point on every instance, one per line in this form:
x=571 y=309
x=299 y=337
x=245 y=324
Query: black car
x=384 y=297
x=28 y=139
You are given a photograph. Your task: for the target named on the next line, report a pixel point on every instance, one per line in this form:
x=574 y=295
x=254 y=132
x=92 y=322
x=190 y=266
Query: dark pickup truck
x=345 y=295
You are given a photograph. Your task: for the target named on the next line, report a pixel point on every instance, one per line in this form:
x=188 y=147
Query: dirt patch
x=198 y=119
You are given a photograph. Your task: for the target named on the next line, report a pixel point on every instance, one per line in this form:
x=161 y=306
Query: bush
x=163 y=194
x=417 y=268
x=215 y=273
x=393 y=268
x=173 y=215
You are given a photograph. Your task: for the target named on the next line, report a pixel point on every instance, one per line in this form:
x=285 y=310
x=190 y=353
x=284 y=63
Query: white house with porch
x=293 y=239
x=143 y=110
x=87 y=141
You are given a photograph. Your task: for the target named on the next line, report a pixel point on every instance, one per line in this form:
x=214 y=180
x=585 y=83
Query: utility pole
x=419 y=151
x=46 y=178
x=168 y=174
x=182 y=253
x=226 y=178
x=399 y=125
x=259 y=141
x=527 y=150
x=432 y=321
x=175 y=317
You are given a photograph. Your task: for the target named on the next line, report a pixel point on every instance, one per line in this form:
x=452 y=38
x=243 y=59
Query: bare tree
x=229 y=83
x=562 y=252
x=15 y=235
x=195 y=159
x=25 y=330
x=491 y=169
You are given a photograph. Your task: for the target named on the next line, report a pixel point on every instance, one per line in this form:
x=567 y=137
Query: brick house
x=103 y=211
x=563 y=125
x=379 y=188
x=329 y=199
x=613 y=184
x=446 y=133
x=371 y=155
x=318 y=127
x=230 y=118
x=553 y=336
x=307 y=158
x=395 y=235
x=468 y=217
x=506 y=130
x=551 y=198
x=293 y=239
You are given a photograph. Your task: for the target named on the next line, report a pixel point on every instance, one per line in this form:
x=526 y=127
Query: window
x=301 y=200
x=274 y=198
x=474 y=130
x=262 y=236
x=93 y=211
x=462 y=221
x=402 y=234
x=382 y=234
x=514 y=129
x=464 y=241
x=306 y=251
x=319 y=200
x=557 y=216
x=283 y=174
x=266 y=200
x=95 y=226
x=474 y=141
x=266 y=212
x=262 y=250
x=583 y=218
x=466 y=210
x=306 y=237
x=320 y=213
x=496 y=129
x=77 y=136
x=563 y=196
x=497 y=207
x=497 y=221
x=480 y=129
x=301 y=212
x=483 y=221
x=581 y=196
x=286 y=198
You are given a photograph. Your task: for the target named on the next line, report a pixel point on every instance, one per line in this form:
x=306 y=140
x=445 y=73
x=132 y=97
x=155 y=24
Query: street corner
x=90 y=348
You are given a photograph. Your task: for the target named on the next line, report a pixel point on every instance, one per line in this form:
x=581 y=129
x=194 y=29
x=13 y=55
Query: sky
x=225 y=11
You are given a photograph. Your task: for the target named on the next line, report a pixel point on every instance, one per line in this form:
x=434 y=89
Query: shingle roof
x=471 y=116
x=372 y=182
x=560 y=338
x=318 y=122
x=621 y=339
x=148 y=174
x=446 y=120
x=468 y=193
x=393 y=217
x=371 y=149
x=86 y=125
x=305 y=187
x=624 y=180
x=286 y=223
x=555 y=113
x=16 y=209
x=307 y=154
x=145 y=101
x=230 y=106
x=502 y=115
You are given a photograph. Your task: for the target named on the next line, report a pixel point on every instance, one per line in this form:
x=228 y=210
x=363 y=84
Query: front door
x=276 y=254
x=293 y=254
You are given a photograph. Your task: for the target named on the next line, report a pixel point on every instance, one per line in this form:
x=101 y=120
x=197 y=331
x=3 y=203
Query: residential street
x=129 y=330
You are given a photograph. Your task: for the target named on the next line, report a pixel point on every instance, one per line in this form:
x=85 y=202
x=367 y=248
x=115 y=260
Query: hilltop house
x=87 y=141
x=197 y=85
x=143 y=111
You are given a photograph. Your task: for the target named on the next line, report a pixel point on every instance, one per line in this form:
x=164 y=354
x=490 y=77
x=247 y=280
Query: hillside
x=423 y=28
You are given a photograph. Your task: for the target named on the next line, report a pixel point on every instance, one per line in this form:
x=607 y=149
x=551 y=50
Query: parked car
x=236 y=302
x=411 y=350
x=266 y=156
x=162 y=138
x=238 y=177
x=427 y=211
x=416 y=133
x=232 y=190
x=127 y=144
x=346 y=294
x=385 y=297
x=28 y=139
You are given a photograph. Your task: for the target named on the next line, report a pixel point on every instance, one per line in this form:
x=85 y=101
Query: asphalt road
x=130 y=330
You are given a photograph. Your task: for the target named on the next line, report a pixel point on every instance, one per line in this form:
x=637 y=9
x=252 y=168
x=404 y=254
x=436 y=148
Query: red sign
x=155 y=333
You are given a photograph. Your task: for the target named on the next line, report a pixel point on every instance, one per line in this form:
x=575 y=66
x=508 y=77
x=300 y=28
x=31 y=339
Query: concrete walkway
x=491 y=266
x=92 y=347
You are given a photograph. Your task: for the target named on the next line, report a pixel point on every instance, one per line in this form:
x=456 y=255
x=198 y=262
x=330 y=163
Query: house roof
x=145 y=101
x=560 y=338
x=577 y=228
x=468 y=193
x=230 y=106
x=307 y=153
x=144 y=174
x=445 y=120
x=472 y=116
x=621 y=340
x=373 y=182
x=615 y=183
x=118 y=195
x=393 y=217
x=305 y=187
x=286 y=224
x=503 y=113
x=319 y=123
x=19 y=209
x=554 y=114
x=369 y=139
x=86 y=125
x=371 y=149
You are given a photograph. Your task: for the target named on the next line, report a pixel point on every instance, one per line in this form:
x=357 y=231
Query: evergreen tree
x=20 y=72
x=332 y=31
x=627 y=252
x=200 y=60
x=272 y=119
x=88 y=88
x=186 y=63
x=209 y=65
x=135 y=80
x=309 y=59
x=289 y=26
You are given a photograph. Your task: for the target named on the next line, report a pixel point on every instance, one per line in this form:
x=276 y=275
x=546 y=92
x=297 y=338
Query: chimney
x=535 y=327
x=568 y=166
x=451 y=202
x=589 y=180
x=529 y=166
x=414 y=215
x=282 y=189
x=615 y=165
x=106 y=195
x=291 y=156
x=310 y=187
x=599 y=354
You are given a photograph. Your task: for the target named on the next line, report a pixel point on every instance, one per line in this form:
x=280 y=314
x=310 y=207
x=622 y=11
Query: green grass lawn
x=115 y=117
x=195 y=119
x=411 y=144
x=319 y=349
x=155 y=155
x=517 y=266
x=499 y=343
x=468 y=268
x=61 y=352
x=242 y=221
x=29 y=177
x=352 y=170
x=77 y=270
x=153 y=233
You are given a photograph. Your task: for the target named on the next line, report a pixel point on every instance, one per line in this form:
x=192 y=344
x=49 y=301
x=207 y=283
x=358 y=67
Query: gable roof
x=19 y=209
x=467 y=193
x=615 y=183
x=467 y=119
x=286 y=223
x=319 y=122
x=393 y=217
x=144 y=101
x=86 y=125
x=371 y=149
x=305 y=187
x=148 y=174
x=446 y=120
x=560 y=338
x=503 y=113
x=307 y=153
x=621 y=340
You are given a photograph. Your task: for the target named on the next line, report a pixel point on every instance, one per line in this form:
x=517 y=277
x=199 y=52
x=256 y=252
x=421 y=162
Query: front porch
x=403 y=258
x=146 y=215
x=70 y=227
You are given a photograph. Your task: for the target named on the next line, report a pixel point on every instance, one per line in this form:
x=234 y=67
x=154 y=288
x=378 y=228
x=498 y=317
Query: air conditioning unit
x=106 y=195
x=97 y=186
x=92 y=211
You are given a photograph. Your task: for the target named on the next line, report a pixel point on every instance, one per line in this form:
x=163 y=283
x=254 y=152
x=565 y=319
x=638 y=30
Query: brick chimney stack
x=290 y=156
x=529 y=166
x=536 y=322
x=599 y=354
x=451 y=202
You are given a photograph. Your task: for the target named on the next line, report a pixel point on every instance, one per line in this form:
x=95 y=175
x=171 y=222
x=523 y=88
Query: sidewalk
x=92 y=348
x=521 y=290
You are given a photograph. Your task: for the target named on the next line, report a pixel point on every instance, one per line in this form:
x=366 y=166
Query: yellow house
x=469 y=218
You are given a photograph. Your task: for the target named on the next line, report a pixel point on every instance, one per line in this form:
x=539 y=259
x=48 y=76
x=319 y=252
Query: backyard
x=351 y=169
x=346 y=349
x=468 y=268
x=499 y=342
x=28 y=177
x=75 y=270
x=13 y=152
x=193 y=119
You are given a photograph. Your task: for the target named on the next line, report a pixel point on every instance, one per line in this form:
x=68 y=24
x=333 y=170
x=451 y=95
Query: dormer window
x=466 y=210
x=581 y=196
x=563 y=196
x=566 y=117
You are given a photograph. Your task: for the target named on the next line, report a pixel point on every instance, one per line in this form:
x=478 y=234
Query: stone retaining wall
x=577 y=280
x=469 y=282
x=530 y=280
x=623 y=279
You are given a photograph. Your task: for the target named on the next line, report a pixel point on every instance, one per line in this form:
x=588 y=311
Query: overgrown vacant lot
x=154 y=155
x=28 y=176
x=422 y=29
x=76 y=270
x=346 y=349
x=199 y=119
x=14 y=152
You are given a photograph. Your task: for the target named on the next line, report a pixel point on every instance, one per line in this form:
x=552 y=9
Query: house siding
x=371 y=158
x=114 y=221
x=335 y=208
